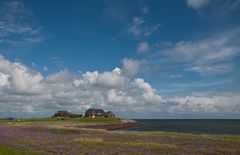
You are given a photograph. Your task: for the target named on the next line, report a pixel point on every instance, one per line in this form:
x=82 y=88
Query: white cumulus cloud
x=196 y=4
x=25 y=92
x=138 y=27
x=131 y=66
x=143 y=47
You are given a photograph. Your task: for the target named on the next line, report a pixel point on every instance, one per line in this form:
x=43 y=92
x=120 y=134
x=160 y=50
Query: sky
x=139 y=59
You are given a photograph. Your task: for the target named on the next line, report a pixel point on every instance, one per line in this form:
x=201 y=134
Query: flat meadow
x=70 y=137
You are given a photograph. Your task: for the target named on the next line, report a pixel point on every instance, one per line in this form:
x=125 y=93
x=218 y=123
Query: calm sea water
x=189 y=126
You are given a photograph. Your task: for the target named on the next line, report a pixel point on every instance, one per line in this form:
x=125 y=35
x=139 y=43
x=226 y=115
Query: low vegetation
x=6 y=150
x=49 y=119
x=16 y=138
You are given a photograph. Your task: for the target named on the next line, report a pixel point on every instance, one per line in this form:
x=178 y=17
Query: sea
x=197 y=126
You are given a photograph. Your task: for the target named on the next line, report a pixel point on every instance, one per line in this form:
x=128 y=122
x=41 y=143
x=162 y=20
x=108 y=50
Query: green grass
x=4 y=120
x=126 y=142
x=65 y=131
x=89 y=140
x=5 y=150
x=95 y=120
x=99 y=143
x=208 y=137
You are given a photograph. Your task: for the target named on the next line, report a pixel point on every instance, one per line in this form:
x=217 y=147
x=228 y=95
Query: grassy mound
x=95 y=120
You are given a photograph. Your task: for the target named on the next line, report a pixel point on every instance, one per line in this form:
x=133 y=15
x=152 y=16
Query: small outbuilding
x=66 y=114
x=61 y=114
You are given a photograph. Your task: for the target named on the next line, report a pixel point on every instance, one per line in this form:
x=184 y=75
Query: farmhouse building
x=98 y=113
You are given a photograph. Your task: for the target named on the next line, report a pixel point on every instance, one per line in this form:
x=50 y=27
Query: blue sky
x=140 y=59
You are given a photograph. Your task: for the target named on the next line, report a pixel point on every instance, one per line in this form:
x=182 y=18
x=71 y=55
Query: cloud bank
x=208 y=56
x=211 y=8
x=26 y=92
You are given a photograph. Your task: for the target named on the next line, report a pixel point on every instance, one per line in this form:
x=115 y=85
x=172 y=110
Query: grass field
x=53 y=119
x=6 y=150
x=31 y=139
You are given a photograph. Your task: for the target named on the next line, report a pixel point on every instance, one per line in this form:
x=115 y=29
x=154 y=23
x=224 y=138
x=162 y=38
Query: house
x=66 y=114
x=110 y=114
x=92 y=113
x=98 y=113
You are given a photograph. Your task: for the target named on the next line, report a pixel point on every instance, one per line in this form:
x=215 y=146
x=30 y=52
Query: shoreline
x=117 y=126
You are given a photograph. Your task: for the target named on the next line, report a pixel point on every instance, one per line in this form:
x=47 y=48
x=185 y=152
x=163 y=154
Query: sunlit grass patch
x=232 y=138
x=5 y=150
x=29 y=141
x=67 y=130
x=88 y=140
x=208 y=137
x=47 y=119
x=2 y=119
x=64 y=131
x=99 y=143
x=36 y=129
